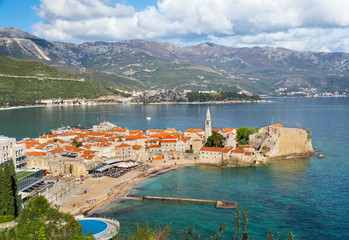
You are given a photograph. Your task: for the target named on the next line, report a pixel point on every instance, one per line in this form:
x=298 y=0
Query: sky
x=304 y=25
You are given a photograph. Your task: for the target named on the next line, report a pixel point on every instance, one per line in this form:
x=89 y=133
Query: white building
x=9 y=149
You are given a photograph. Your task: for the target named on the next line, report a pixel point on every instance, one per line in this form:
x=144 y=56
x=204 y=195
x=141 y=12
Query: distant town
x=308 y=92
x=163 y=96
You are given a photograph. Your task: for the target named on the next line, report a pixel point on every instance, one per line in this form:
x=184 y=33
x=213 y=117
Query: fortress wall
x=58 y=166
x=288 y=141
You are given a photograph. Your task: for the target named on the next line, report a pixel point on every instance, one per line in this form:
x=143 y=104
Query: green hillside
x=24 y=82
x=11 y=66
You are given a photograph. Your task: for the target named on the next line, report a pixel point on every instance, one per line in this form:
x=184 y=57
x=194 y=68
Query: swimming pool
x=96 y=227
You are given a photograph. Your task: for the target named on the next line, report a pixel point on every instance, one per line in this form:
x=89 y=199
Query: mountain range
x=145 y=64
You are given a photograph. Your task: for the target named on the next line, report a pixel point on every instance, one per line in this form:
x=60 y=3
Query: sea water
x=306 y=196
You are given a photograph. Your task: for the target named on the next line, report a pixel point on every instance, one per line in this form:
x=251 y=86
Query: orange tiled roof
x=104 y=144
x=227 y=149
x=238 y=151
x=171 y=129
x=72 y=149
x=28 y=140
x=135 y=132
x=57 y=150
x=88 y=157
x=168 y=141
x=30 y=145
x=194 y=130
x=154 y=146
x=228 y=130
x=158 y=158
x=136 y=147
x=211 y=149
x=123 y=145
x=47 y=136
x=37 y=153
x=248 y=153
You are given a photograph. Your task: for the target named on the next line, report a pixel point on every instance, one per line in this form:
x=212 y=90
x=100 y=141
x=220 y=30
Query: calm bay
x=306 y=196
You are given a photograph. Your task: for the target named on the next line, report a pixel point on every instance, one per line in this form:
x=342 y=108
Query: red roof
x=136 y=147
x=238 y=151
x=227 y=149
x=154 y=146
x=211 y=149
x=194 y=130
x=57 y=150
x=124 y=145
x=158 y=158
x=228 y=130
x=168 y=141
x=37 y=153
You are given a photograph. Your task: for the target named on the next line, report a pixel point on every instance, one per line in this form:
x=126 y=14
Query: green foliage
x=290 y=236
x=236 y=225
x=20 y=91
x=219 y=233
x=309 y=134
x=245 y=234
x=265 y=149
x=39 y=220
x=215 y=140
x=189 y=233
x=270 y=235
x=76 y=143
x=9 y=200
x=6 y=218
x=11 y=66
x=243 y=133
x=147 y=233
x=221 y=96
x=189 y=150
x=240 y=231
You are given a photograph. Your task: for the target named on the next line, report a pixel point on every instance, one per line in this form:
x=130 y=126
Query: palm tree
x=215 y=140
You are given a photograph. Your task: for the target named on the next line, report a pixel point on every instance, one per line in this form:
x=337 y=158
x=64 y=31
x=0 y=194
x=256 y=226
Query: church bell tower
x=208 y=128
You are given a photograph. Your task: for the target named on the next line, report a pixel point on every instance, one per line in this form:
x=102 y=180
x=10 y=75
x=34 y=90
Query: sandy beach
x=105 y=190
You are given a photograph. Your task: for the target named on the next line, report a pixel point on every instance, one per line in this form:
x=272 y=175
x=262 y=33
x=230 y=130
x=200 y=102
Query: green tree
x=148 y=233
x=215 y=140
x=290 y=236
x=279 y=235
x=76 y=143
x=189 y=233
x=2 y=192
x=9 y=201
x=245 y=234
x=243 y=133
x=39 y=220
x=237 y=224
x=270 y=235
x=14 y=189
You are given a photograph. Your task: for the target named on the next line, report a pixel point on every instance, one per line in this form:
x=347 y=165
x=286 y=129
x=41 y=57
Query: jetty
x=219 y=203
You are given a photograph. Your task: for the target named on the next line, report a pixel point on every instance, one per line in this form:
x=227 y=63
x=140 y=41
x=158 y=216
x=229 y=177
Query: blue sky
x=311 y=25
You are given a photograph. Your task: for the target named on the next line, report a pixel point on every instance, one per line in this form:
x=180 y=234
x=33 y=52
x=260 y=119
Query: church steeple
x=208 y=128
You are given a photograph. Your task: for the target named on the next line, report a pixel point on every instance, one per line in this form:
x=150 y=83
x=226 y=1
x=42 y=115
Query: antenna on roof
x=272 y=120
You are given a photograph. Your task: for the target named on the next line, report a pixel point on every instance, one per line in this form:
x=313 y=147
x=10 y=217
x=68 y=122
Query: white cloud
x=298 y=24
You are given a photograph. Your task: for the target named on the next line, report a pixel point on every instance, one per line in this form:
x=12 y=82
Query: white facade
x=9 y=149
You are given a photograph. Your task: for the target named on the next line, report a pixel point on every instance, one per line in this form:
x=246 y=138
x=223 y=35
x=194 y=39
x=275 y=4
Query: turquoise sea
x=307 y=196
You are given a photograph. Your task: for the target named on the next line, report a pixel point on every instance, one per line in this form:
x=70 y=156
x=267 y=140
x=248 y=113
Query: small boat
x=148 y=118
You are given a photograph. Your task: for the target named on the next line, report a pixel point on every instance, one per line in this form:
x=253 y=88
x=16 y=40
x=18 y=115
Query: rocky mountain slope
x=143 y=64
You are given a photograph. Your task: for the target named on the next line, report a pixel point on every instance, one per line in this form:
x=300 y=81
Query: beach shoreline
x=105 y=191
x=135 y=103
